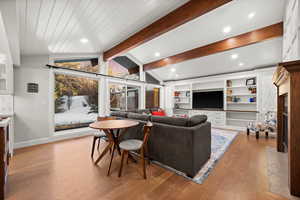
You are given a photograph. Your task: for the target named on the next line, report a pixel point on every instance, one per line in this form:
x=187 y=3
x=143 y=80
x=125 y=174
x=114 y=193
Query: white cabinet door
x=6 y=78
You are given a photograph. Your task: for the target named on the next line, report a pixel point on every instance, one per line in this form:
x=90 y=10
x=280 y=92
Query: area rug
x=278 y=173
x=220 y=141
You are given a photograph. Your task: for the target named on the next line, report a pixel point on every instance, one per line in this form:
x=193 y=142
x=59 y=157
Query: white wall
x=31 y=109
x=291 y=38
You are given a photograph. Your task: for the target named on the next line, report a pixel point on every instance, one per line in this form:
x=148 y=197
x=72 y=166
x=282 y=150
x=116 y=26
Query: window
x=88 y=64
x=132 y=97
x=123 y=67
x=120 y=100
x=152 y=97
x=76 y=98
x=117 y=97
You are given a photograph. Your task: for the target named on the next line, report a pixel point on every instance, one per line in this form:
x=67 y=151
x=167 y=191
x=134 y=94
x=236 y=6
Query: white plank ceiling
x=261 y=54
x=208 y=28
x=56 y=26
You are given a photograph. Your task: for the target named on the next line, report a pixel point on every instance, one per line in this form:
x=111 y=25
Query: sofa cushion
x=170 y=120
x=197 y=119
x=119 y=114
x=138 y=116
x=144 y=111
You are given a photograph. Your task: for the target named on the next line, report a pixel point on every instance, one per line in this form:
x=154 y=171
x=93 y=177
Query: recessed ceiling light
x=234 y=56
x=176 y=75
x=173 y=70
x=241 y=64
x=84 y=40
x=251 y=15
x=226 y=29
x=157 y=54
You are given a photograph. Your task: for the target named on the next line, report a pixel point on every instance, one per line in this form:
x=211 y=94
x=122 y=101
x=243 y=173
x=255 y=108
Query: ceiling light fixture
x=157 y=54
x=234 y=56
x=241 y=64
x=173 y=70
x=251 y=15
x=176 y=75
x=226 y=29
x=84 y=40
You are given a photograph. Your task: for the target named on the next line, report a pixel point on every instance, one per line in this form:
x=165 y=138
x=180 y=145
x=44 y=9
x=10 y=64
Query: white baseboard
x=57 y=136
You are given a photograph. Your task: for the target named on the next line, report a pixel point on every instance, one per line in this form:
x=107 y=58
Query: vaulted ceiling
x=57 y=26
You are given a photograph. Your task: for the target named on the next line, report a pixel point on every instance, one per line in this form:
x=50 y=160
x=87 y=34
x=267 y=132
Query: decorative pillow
x=197 y=119
x=159 y=113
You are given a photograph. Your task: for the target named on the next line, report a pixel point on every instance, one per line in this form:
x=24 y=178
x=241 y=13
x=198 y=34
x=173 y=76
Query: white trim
x=57 y=136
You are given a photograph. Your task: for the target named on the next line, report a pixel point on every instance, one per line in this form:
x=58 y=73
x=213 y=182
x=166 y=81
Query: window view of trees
x=88 y=65
x=119 y=100
x=117 y=70
x=117 y=97
x=76 y=100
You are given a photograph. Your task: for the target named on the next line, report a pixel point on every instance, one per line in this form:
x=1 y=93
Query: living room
x=151 y=99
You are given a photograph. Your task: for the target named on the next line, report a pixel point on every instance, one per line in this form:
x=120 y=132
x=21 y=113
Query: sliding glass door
x=124 y=97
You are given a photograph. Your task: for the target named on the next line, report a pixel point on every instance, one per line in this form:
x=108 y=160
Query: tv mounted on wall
x=211 y=99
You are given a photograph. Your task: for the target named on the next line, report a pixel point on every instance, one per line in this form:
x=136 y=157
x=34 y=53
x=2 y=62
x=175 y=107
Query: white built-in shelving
x=240 y=101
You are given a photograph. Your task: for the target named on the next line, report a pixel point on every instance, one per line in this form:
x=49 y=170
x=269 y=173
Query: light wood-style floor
x=64 y=170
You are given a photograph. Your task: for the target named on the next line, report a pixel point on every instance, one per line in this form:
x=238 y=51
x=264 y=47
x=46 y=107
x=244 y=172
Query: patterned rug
x=220 y=141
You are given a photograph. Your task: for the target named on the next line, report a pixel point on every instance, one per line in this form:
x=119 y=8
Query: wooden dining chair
x=100 y=134
x=134 y=145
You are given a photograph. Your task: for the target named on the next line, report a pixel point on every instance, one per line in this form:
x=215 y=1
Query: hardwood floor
x=64 y=170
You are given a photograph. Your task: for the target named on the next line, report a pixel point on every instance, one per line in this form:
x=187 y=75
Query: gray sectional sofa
x=181 y=143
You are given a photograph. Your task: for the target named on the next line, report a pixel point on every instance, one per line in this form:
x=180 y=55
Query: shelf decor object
x=251 y=81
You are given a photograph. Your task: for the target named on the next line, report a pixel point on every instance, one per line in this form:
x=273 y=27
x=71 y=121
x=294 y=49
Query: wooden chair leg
x=147 y=153
x=93 y=146
x=122 y=160
x=98 y=143
x=103 y=153
x=143 y=163
x=111 y=159
x=127 y=158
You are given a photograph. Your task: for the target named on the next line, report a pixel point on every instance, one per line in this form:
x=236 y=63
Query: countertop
x=6 y=114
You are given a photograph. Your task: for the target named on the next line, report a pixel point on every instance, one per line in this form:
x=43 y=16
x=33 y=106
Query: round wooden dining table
x=112 y=129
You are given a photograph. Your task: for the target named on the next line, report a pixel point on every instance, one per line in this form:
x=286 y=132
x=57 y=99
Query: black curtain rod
x=98 y=74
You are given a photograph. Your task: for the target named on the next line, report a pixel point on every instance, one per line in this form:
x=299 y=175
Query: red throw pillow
x=158 y=113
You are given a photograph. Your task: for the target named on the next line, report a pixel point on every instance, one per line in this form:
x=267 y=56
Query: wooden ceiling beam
x=181 y=15
x=259 y=35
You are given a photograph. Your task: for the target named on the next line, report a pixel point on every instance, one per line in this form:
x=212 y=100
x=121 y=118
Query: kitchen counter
x=6 y=114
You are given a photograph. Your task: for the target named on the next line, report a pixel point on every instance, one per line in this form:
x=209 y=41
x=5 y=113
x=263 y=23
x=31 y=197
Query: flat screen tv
x=212 y=99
